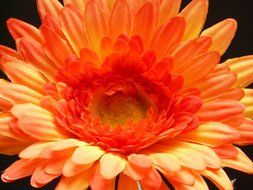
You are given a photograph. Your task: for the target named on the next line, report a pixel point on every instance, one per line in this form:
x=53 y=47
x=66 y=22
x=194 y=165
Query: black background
x=242 y=11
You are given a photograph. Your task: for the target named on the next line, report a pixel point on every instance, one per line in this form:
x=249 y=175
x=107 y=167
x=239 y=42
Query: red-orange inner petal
x=128 y=103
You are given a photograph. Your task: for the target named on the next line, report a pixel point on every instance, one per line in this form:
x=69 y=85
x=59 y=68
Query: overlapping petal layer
x=126 y=92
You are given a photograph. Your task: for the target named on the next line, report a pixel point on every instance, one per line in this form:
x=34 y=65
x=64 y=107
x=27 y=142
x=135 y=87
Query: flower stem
x=139 y=185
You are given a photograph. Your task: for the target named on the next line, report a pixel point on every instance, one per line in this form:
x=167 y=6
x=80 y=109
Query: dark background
x=242 y=11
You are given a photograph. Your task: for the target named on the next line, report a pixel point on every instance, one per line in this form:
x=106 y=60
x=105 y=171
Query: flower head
x=124 y=88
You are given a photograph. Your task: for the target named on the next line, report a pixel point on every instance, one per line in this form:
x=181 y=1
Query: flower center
x=118 y=108
x=127 y=104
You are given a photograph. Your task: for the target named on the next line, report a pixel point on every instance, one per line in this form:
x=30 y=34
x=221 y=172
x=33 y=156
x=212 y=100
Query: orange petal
x=120 y=47
x=80 y=4
x=195 y=15
x=55 y=167
x=214 y=83
x=152 y=180
x=199 y=184
x=10 y=146
x=120 y=21
x=110 y=3
x=86 y=154
x=168 y=9
x=168 y=162
x=232 y=94
x=7 y=54
x=25 y=74
x=144 y=22
x=156 y=5
x=222 y=35
x=52 y=7
x=140 y=160
x=219 y=178
x=48 y=103
x=111 y=165
x=33 y=151
x=226 y=151
x=20 y=29
x=133 y=5
x=106 y=46
x=76 y=182
x=71 y=169
x=50 y=153
x=184 y=176
x=16 y=129
x=241 y=163
x=174 y=28
x=234 y=121
x=56 y=45
x=126 y=183
x=40 y=178
x=72 y=26
x=67 y=143
x=203 y=44
x=189 y=158
x=247 y=100
x=87 y=55
x=54 y=24
x=5 y=119
x=218 y=110
x=138 y=165
x=246 y=132
x=221 y=68
x=242 y=66
x=104 y=8
x=211 y=160
x=19 y=94
x=3 y=81
x=211 y=134
x=75 y=9
x=36 y=122
x=200 y=67
x=163 y=67
x=97 y=182
x=182 y=55
x=164 y=186
x=6 y=58
x=94 y=24
x=8 y=51
x=34 y=54
x=20 y=169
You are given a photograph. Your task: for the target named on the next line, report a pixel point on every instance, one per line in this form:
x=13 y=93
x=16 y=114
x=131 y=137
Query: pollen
x=118 y=109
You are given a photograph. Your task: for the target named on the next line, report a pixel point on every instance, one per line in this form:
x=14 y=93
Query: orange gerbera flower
x=126 y=88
